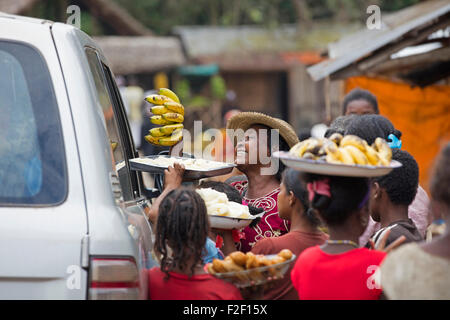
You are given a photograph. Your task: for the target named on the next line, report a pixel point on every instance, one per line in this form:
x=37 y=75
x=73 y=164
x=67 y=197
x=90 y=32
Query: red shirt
x=296 y=241
x=181 y=287
x=271 y=225
x=346 y=276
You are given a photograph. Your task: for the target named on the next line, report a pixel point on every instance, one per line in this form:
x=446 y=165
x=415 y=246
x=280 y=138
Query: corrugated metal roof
x=138 y=54
x=16 y=6
x=361 y=44
x=212 y=40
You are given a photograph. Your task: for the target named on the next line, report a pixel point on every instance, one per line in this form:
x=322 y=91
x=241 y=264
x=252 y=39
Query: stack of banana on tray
x=169 y=113
x=349 y=149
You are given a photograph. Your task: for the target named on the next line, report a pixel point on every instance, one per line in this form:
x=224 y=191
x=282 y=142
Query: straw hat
x=244 y=120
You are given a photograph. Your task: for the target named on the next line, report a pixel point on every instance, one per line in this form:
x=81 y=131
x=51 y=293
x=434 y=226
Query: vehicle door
x=133 y=203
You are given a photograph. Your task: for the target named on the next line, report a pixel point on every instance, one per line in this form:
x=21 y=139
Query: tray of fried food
x=341 y=156
x=248 y=269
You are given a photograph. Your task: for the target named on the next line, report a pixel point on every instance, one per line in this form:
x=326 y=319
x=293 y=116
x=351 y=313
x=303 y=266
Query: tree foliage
x=162 y=15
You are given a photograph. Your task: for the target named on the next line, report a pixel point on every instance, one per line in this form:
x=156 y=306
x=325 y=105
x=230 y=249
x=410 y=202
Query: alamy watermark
x=74 y=17
x=73 y=281
x=374 y=281
x=373 y=22
x=250 y=147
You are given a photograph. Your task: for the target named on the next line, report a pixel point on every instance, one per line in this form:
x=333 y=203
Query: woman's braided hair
x=183 y=226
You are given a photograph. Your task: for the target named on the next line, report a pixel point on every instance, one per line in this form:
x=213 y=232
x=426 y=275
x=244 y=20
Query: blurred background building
x=406 y=64
x=293 y=59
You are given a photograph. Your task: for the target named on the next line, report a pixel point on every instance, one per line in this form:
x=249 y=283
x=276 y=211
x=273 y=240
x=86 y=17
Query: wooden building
x=406 y=64
x=266 y=68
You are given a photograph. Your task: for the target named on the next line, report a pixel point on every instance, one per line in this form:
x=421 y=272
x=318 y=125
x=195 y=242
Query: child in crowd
x=422 y=271
x=339 y=269
x=359 y=101
x=173 y=177
x=369 y=127
x=390 y=198
x=181 y=231
x=293 y=205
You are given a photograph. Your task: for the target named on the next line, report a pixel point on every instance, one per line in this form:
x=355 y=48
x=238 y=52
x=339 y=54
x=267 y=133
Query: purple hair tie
x=364 y=201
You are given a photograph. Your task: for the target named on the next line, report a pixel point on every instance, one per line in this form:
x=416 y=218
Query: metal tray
x=229 y=223
x=189 y=174
x=332 y=169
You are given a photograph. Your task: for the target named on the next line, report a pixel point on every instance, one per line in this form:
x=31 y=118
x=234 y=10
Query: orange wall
x=422 y=115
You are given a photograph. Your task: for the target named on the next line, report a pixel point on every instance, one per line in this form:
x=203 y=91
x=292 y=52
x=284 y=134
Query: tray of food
x=224 y=214
x=244 y=270
x=348 y=156
x=194 y=168
x=228 y=223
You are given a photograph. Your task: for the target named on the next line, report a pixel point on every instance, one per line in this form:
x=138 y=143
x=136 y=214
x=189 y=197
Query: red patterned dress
x=271 y=225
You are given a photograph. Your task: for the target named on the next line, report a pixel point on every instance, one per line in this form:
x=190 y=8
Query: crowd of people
x=354 y=237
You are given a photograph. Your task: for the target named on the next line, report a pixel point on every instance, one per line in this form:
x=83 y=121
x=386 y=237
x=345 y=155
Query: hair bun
x=310 y=213
x=397 y=133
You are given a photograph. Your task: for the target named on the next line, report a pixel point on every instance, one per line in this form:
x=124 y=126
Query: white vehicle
x=71 y=211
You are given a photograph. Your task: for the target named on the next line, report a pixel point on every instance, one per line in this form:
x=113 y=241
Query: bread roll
x=218 y=266
x=286 y=254
x=261 y=261
x=274 y=270
x=230 y=266
x=211 y=269
x=277 y=260
x=239 y=258
x=250 y=260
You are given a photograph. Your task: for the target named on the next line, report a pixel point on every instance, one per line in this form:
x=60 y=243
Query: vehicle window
x=129 y=149
x=117 y=144
x=32 y=156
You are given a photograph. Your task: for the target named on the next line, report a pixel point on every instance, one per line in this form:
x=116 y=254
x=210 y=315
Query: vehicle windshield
x=32 y=161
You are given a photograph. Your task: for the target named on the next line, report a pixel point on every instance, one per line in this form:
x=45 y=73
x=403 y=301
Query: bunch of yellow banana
x=349 y=149
x=168 y=140
x=168 y=112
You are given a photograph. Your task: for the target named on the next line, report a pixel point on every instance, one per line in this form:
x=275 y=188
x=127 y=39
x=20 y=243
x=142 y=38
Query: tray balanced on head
x=339 y=155
x=334 y=169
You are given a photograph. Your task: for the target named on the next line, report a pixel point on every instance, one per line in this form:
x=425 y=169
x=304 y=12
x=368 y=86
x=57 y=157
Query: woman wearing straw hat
x=260 y=136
